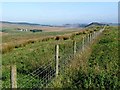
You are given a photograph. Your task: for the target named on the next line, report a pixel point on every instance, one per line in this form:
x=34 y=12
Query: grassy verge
x=96 y=68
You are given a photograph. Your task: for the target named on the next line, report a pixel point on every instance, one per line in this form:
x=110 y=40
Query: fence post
x=94 y=35
x=88 y=38
x=57 y=58
x=74 y=47
x=13 y=78
x=83 y=42
x=91 y=36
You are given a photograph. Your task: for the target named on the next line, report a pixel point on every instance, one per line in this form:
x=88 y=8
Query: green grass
x=31 y=56
x=103 y=63
x=96 y=68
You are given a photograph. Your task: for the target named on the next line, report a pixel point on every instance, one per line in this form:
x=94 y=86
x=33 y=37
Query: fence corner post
x=13 y=77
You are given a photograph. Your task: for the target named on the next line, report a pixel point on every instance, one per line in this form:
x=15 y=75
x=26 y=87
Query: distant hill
x=34 y=24
x=21 y=23
x=26 y=23
x=83 y=25
x=95 y=24
x=77 y=25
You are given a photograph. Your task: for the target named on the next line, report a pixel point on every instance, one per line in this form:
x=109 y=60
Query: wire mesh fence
x=46 y=68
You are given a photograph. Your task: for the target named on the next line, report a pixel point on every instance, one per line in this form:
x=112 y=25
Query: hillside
x=94 y=24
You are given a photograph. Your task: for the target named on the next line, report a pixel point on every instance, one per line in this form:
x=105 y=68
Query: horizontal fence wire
x=36 y=74
x=66 y=54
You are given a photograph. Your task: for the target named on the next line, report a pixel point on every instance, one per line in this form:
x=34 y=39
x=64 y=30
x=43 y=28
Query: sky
x=60 y=12
x=59 y=0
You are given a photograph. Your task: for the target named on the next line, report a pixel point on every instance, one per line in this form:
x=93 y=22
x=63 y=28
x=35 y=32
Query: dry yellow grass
x=3 y=33
x=6 y=47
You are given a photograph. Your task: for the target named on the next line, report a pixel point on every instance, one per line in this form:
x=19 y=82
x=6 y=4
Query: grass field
x=12 y=38
x=98 y=64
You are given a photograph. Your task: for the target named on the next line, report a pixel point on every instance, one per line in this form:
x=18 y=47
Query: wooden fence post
x=57 y=59
x=83 y=42
x=88 y=38
x=74 y=47
x=91 y=36
x=1 y=71
x=94 y=35
x=13 y=76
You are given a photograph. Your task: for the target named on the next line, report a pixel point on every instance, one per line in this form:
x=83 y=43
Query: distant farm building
x=21 y=29
x=36 y=30
x=32 y=30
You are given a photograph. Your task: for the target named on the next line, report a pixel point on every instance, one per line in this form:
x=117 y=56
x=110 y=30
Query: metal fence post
x=13 y=78
x=57 y=59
